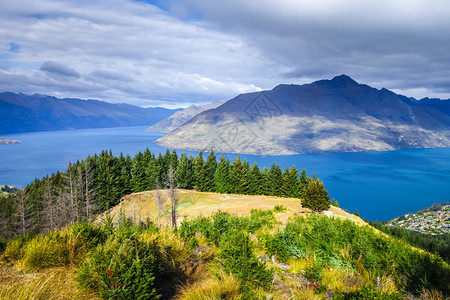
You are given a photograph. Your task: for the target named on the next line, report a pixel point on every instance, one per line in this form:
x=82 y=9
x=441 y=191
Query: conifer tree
x=183 y=173
x=265 y=183
x=210 y=169
x=160 y=169
x=256 y=182
x=239 y=176
x=199 y=172
x=138 y=178
x=221 y=176
x=150 y=170
x=315 y=196
x=275 y=180
x=292 y=186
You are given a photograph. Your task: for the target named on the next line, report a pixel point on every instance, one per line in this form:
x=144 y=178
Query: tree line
x=97 y=183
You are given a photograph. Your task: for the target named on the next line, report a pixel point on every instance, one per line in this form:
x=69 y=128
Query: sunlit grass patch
x=51 y=284
x=221 y=285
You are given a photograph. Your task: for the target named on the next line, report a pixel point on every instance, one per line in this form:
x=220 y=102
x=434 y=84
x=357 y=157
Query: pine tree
x=315 y=196
x=256 y=182
x=183 y=173
x=291 y=183
x=210 y=169
x=239 y=176
x=199 y=172
x=275 y=180
x=138 y=178
x=265 y=182
x=221 y=176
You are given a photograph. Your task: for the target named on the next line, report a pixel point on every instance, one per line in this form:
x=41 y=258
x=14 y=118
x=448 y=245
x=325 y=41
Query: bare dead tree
x=90 y=192
x=23 y=211
x=49 y=207
x=170 y=179
x=70 y=194
x=160 y=200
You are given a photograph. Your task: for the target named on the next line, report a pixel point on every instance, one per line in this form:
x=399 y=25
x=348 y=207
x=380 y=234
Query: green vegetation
x=230 y=257
x=98 y=183
x=437 y=244
x=315 y=196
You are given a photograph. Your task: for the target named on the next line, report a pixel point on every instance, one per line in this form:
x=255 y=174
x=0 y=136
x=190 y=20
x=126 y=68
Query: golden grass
x=221 y=286
x=141 y=206
x=51 y=284
x=298 y=266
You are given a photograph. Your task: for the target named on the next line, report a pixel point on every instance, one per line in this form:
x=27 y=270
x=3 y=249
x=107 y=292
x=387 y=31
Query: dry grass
x=51 y=284
x=221 y=286
x=141 y=206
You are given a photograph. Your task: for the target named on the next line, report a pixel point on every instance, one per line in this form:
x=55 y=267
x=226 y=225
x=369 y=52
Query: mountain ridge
x=29 y=113
x=337 y=115
x=181 y=117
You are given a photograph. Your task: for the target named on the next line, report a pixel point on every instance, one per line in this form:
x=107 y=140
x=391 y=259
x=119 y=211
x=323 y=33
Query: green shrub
x=14 y=250
x=367 y=292
x=122 y=268
x=236 y=256
x=279 y=208
x=285 y=245
x=90 y=234
x=43 y=252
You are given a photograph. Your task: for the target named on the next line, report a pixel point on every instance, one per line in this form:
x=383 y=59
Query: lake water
x=381 y=185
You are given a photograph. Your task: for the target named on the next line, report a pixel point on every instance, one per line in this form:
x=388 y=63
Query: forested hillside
x=97 y=183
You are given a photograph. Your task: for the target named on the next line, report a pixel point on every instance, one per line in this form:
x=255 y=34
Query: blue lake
x=381 y=185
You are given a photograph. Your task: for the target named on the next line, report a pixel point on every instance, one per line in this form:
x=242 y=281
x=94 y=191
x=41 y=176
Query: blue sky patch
x=13 y=47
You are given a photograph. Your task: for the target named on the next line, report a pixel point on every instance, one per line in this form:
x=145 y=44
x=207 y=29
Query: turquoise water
x=381 y=185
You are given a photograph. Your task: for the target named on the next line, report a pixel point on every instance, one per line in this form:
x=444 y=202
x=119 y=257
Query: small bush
x=236 y=255
x=279 y=208
x=15 y=249
x=52 y=250
x=367 y=292
x=122 y=268
x=90 y=234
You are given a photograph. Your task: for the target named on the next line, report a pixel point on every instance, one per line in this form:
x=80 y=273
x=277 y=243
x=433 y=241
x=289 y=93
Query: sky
x=174 y=53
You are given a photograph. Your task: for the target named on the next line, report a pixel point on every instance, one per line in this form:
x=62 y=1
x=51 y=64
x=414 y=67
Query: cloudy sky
x=177 y=52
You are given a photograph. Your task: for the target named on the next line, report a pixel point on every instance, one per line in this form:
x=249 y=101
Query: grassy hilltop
x=226 y=246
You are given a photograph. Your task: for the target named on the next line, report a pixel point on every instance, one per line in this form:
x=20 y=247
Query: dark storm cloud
x=401 y=45
x=59 y=69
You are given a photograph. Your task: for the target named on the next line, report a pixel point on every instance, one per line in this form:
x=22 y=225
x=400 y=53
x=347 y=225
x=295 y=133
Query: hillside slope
x=228 y=254
x=337 y=115
x=141 y=206
x=181 y=117
x=27 y=113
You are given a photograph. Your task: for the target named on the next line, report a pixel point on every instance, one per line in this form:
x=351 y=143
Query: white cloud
x=127 y=51
x=121 y=51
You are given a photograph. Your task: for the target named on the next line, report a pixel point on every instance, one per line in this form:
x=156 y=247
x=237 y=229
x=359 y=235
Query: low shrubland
x=225 y=257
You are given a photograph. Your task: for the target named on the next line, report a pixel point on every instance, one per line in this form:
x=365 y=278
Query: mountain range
x=27 y=113
x=337 y=115
x=181 y=117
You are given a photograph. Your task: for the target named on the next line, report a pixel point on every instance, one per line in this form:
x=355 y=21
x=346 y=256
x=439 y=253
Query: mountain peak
x=343 y=80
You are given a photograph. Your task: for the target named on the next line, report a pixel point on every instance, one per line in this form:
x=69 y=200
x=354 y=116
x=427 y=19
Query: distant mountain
x=6 y=141
x=337 y=115
x=23 y=113
x=181 y=117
